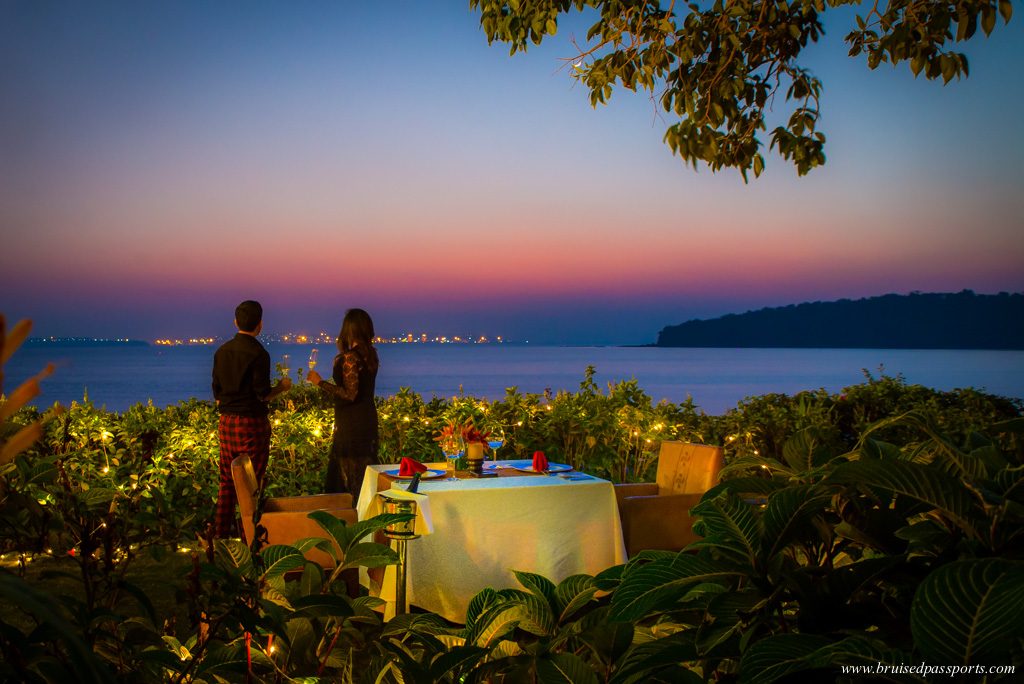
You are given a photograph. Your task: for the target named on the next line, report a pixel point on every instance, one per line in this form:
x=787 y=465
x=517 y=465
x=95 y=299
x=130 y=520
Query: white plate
x=526 y=466
x=427 y=474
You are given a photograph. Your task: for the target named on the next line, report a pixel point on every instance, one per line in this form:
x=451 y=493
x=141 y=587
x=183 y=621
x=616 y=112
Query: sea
x=119 y=376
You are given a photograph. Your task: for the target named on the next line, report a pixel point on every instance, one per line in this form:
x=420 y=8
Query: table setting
x=531 y=515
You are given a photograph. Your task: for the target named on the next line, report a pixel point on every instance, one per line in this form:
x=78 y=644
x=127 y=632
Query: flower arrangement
x=468 y=432
x=471 y=434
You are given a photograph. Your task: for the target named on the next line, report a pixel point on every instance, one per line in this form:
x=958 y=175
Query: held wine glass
x=313 y=357
x=285 y=364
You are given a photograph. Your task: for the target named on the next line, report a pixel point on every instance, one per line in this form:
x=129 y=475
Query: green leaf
x=279 y=559
x=233 y=556
x=916 y=481
x=369 y=555
x=565 y=667
x=657 y=656
x=322 y=605
x=782 y=655
x=730 y=526
x=969 y=611
x=538 y=585
x=98 y=498
x=312 y=580
x=787 y=515
x=657 y=586
x=573 y=593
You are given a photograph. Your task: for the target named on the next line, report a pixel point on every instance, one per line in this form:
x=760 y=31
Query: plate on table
x=526 y=466
x=427 y=474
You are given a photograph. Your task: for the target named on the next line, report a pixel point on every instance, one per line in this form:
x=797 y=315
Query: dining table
x=555 y=523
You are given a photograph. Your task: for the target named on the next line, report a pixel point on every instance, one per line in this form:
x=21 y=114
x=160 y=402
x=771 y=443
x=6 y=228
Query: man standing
x=241 y=386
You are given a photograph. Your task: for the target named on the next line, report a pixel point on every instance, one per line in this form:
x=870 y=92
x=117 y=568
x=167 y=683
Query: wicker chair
x=656 y=515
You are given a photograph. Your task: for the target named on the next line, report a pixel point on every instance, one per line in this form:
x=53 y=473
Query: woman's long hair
x=357 y=333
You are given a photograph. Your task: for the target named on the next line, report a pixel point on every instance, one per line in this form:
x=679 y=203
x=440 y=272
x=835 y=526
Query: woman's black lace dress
x=355 y=419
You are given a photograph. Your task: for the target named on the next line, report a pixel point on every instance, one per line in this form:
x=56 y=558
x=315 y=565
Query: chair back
x=688 y=468
x=245 y=489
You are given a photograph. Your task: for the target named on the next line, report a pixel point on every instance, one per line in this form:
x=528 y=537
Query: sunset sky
x=161 y=161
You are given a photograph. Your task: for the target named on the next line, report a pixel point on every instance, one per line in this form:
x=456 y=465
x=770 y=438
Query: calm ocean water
x=717 y=379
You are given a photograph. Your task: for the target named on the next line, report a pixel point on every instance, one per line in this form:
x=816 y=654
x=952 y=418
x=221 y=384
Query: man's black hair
x=248 y=315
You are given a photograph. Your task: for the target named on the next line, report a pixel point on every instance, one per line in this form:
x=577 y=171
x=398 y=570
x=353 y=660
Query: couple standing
x=242 y=389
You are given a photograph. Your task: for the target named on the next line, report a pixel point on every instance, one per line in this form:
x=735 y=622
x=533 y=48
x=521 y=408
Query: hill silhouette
x=962 y=320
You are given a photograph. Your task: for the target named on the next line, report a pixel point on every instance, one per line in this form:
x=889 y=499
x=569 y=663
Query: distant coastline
x=84 y=342
x=962 y=320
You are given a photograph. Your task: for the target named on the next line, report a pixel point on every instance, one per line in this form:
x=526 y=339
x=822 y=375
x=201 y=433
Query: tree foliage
x=718 y=67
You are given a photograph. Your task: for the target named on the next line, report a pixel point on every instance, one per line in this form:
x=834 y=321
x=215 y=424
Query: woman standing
x=355 y=414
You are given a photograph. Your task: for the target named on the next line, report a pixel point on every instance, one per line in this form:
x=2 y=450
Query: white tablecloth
x=485 y=528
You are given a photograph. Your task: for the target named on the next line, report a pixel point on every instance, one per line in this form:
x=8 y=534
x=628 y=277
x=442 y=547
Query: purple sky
x=159 y=162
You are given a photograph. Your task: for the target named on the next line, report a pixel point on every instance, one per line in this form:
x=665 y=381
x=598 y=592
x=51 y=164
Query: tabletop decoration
x=475 y=442
x=410 y=466
x=540 y=462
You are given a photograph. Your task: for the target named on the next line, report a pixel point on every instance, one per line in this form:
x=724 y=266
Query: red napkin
x=540 y=461
x=409 y=466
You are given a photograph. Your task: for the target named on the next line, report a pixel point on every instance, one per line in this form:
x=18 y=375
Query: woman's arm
x=349 y=388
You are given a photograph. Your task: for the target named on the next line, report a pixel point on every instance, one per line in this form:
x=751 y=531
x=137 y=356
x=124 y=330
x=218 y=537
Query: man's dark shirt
x=241 y=376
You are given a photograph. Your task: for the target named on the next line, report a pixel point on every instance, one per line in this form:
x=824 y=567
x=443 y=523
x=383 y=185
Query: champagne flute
x=313 y=353
x=285 y=365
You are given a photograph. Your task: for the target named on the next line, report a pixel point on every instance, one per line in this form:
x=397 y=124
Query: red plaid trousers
x=239 y=436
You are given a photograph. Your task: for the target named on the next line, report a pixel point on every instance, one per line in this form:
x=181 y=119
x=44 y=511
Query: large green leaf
x=279 y=559
x=369 y=555
x=730 y=526
x=97 y=498
x=573 y=593
x=322 y=605
x=348 y=535
x=513 y=608
x=939 y=449
x=787 y=515
x=233 y=556
x=455 y=660
x=659 y=656
x=657 y=586
x=478 y=605
x=746 y=485
x=565 y=667
x=804 y=451
x=779 y=656
x=538 y=585
x=495 y=623
x=916 y=481
x=970 y=612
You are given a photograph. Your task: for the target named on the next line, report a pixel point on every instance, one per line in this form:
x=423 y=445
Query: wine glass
x=495 y=440
x=313 y=353
x=285 y=364
x=452 y=446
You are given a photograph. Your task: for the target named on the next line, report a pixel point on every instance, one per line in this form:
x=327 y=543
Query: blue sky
x=160 y=162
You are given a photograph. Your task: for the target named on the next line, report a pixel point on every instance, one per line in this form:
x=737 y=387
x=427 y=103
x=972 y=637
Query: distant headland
x=961 y=320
